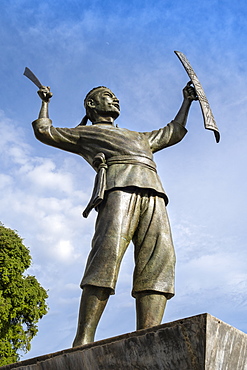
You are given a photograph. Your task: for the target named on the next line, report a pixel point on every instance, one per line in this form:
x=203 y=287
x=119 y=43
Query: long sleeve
x=63 y=138
x=166 y=136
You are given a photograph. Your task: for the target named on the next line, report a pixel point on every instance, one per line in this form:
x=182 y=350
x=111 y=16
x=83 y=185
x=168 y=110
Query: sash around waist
x=101 y=165
x=130 y=159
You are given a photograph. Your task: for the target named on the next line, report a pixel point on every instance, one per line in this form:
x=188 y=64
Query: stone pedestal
x=195 y=343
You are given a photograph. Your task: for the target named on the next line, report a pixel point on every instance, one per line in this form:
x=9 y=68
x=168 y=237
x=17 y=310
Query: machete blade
x=29 y=74
x=209 y=121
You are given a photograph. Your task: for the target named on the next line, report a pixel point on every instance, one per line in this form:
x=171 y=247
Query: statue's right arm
x=63 y=138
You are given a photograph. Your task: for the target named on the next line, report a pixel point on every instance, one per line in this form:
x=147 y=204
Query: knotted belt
x=101 y=165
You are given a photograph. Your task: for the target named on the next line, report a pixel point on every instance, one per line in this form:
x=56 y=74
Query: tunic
x=134 y=204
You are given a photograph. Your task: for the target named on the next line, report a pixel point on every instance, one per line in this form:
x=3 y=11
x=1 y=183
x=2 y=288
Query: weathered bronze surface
x=130 y=201
x=208 y=117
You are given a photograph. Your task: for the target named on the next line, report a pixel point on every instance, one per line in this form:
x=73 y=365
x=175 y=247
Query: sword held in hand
x=209 y=121
x=29 y=74
x=46 y=94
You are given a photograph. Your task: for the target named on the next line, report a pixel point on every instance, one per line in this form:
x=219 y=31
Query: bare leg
x=150 y=307
x=93 y=302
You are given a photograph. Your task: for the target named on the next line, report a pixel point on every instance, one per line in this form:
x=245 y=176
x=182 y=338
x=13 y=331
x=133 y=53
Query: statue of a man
x=130 y=201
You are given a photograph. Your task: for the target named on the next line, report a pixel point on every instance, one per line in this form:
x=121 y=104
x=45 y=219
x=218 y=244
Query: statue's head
x=101 y=102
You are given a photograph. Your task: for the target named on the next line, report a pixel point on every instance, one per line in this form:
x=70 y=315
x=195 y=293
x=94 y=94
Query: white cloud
x=5 y=181
x=65 y=250
x=38 y=195
x=46 y=176
x=218 y=271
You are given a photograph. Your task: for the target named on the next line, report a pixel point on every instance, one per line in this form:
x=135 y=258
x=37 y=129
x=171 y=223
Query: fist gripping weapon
x=46 y=90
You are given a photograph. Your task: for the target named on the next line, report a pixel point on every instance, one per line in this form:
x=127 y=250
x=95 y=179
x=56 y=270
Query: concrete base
x=195 y=343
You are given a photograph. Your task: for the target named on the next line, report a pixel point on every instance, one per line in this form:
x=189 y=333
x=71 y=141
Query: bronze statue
x=130 y=201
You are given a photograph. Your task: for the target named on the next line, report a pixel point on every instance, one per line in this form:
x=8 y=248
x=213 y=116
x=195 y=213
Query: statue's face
x=105 y=103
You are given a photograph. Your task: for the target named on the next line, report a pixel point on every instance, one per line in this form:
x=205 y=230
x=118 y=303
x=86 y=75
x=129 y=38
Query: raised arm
x=45 y=95
x=174 y=131
x=189 y=95
x=63 y=138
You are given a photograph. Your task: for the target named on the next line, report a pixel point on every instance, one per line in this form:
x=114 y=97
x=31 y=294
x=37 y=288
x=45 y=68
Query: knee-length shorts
x=138 y=215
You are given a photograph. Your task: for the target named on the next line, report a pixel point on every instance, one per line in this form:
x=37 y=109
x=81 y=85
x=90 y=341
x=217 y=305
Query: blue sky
x=128 y=46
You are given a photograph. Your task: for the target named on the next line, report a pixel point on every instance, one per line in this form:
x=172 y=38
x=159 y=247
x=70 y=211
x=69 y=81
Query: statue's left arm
x=189 y=95
x=175 y=130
